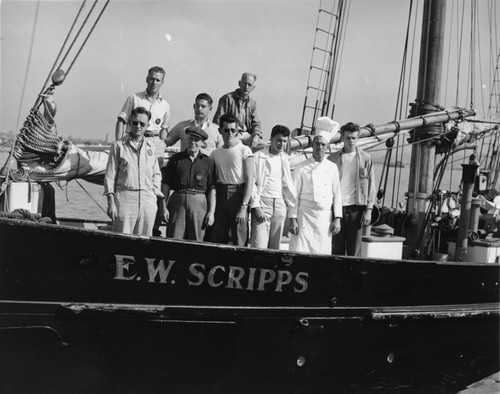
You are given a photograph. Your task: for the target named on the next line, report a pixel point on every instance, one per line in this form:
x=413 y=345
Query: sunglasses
x=137 y=123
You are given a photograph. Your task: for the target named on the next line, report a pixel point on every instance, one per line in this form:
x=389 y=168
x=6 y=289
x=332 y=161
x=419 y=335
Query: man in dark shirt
x=244 y=108
x=190 y=174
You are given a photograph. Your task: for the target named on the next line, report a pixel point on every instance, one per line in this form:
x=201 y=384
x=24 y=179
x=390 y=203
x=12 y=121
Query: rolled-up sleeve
x=127 y=109
x=111 y=170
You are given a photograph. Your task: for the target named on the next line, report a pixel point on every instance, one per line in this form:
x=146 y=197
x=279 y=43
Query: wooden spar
x=302 y=141
x=421 y=181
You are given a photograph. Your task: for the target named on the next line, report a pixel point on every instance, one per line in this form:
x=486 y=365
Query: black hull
x=75 y=317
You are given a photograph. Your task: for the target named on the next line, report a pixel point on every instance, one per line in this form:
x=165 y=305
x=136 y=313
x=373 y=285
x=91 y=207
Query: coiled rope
x=24 y=214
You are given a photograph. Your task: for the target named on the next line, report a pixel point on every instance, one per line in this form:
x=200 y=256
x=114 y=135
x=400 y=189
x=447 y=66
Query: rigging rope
x=51 y=72
x=28 y=63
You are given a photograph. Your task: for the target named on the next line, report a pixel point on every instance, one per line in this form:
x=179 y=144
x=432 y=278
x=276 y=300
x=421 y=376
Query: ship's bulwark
x=95 y=311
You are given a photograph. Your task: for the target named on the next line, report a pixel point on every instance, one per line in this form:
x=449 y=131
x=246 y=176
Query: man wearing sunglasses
x=157 y=128
x=235 y=173
x=132 y=179
x=152 y=100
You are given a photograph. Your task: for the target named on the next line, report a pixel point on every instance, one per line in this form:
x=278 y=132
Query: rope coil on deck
x=24 y=214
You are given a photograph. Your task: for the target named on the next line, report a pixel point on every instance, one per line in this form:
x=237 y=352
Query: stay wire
x=28 y=62
x=88 y=35
x=54 y=66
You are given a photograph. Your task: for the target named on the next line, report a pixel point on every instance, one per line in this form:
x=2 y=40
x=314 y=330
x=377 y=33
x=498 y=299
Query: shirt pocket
x=200 y=180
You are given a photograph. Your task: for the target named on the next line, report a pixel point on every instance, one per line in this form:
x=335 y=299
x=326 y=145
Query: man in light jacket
x=273 y=191
x=357 y=182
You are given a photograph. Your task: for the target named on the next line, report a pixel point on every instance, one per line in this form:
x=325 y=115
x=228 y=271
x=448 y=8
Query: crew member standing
x=234 y=166
x=273 y=192
x=157 y=128
x=357 y=182
x=191 y=176
x=319 y=209
x=132 y=179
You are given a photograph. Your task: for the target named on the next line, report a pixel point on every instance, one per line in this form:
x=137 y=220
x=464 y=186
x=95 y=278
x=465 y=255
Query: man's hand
x=208 y=220
x=112 y=211
x=367 y=217
x=294 y=226
x=259 y=214
x=255 y=141
x=336 y=225
x=165 y=215
x=242 y=215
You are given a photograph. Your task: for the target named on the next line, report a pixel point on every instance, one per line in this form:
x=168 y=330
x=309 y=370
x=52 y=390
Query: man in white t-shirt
x=234 y=167
x=202 y=107
x=273 y=191
x=357 y=182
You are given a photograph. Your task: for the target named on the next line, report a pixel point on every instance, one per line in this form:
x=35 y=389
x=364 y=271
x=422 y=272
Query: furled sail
x=43 y=156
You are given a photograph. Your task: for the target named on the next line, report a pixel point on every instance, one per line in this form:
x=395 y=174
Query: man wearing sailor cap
x=191 y=175
x=318 y=212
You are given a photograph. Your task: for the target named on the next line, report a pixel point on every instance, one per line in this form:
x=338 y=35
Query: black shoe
x=156 y=232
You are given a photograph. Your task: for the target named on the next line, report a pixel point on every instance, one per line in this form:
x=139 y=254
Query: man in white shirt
x=202 y=107
x=152 y=100
x=319 y=209
x=357 y=181
x=273 y=191
x=234 y=169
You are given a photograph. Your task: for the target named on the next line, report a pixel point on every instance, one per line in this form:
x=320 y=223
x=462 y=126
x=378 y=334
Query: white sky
x=212 y=43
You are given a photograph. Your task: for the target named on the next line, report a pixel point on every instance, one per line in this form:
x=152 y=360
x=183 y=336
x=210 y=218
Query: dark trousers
x=225 y=228
x=348 y=240
x=187 y=212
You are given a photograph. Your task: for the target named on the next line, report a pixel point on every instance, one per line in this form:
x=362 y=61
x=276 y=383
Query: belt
x=190 y=191
x=225 y=186
x=151 y=134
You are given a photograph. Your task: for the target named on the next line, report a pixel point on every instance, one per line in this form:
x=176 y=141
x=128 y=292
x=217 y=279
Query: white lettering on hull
x=218 y=276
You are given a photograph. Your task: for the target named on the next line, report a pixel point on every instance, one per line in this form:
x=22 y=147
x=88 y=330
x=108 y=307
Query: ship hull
x=113 y=312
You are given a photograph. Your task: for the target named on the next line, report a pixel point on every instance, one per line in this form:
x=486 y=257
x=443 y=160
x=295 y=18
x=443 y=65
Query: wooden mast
x=428 y=98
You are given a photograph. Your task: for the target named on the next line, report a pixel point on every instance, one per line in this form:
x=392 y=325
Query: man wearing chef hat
x=318 y=212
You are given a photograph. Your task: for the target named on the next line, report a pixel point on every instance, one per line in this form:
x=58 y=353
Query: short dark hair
x=156 y=69
x=228 y=118
x=350 y=128
x=279 y=129
x=204 y=96
x=140 y=110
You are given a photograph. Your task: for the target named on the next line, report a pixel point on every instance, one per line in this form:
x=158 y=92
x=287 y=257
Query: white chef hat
x=326 y=128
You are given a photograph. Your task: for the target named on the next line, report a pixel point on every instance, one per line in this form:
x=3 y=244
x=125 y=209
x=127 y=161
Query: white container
x=389 y=247
x=23 y=195
x=480 y=251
